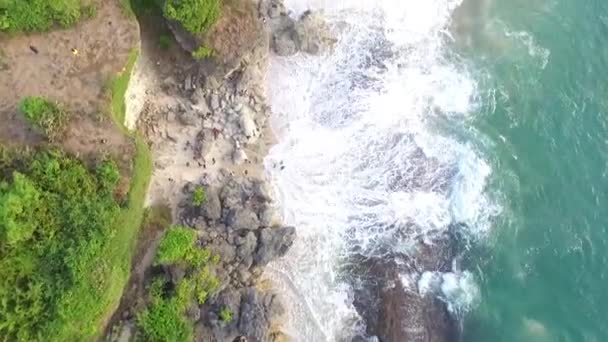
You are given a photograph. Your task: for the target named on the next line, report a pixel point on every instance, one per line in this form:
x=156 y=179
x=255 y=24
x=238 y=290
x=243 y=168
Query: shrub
x=164 y=321
x=108 y=174
x=178 y=247
x=40 y=15
x=164 y=41
x=196 y=16
x=226 y=314
x=45 y=115
x=202 y=52
x=165 y=318
x=55 y=228
x=205 y=285
x=198 y=196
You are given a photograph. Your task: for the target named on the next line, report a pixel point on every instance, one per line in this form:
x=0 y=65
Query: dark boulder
x=273 y=243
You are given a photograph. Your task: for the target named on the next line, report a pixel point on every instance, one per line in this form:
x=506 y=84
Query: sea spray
x=360 y=167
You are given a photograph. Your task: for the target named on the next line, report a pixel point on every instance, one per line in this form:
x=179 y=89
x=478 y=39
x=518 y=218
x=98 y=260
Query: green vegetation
x=127 y=7
x=65 y=242
x=66 y=237
x=139 y=7
x=178 y=246
x=46 y=116
x=165 y=41
x=196 y=16
x=205 y=285
x=157 y=217
x=56 y=222
x=226 y=315
x=198 y=196
x=122 y=244
x=3 y=63
x=202 y=52
x=118 y=87
x=40 y=15
x=165 y=317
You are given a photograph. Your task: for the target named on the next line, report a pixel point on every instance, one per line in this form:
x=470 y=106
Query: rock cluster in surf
x=238 y=224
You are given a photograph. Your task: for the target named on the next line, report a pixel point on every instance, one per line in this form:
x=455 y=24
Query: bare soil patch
x=73 y=67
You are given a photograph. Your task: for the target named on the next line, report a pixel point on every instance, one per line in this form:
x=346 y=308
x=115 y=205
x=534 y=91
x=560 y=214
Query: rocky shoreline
x=207 y=123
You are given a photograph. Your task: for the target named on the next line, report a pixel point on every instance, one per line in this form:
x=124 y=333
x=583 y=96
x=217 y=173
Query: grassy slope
x=123 y=244
x=120 y=249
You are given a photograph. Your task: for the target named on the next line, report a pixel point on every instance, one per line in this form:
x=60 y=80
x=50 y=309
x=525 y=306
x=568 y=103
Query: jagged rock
x=276 y=9
x=309 y=34
x=231 y=194
x=313 y=32
x=263 y=191
x=247 y=123
x=257 y=313
x=214 y=102
x=189 y=117
x=198 y=98
x=239 y=156
x=193 y=313
x=244 y=276
x=226 y=251
x=246 y=245
x=233 y=38
x=273 y=243
x=177 y=274
x=204 y=143
x=394 y=312
x=242 y=218
x=267 y=216
x=285 y=42
x=188 y=83
x=126 y=333
x=200 y=224
x=212 y=209
x=211 y=83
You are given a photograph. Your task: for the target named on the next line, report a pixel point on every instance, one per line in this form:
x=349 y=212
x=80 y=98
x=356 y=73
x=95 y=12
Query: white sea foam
x=364 y=166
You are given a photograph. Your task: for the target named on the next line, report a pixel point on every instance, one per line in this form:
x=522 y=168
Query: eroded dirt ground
x=43 y=64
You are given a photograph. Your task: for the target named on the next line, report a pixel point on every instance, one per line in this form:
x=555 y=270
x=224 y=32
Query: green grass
x=127 y=8
x=198 y=196
x=178 y=246
x=40 y=15
x=140 y=7
x=131 y=217
x=164 y=319
x=165 y=41
x=57 y=219
x=226 y=315
x=66 y=243
x=118 y=88
x=47 y=116
x=202 y=52
x=157 y=217
x=196 y=16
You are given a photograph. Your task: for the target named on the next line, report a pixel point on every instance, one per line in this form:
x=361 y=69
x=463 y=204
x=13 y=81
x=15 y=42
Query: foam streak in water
x=365 y=172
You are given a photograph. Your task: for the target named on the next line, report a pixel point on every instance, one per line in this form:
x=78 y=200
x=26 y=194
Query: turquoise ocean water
x=541 y=68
